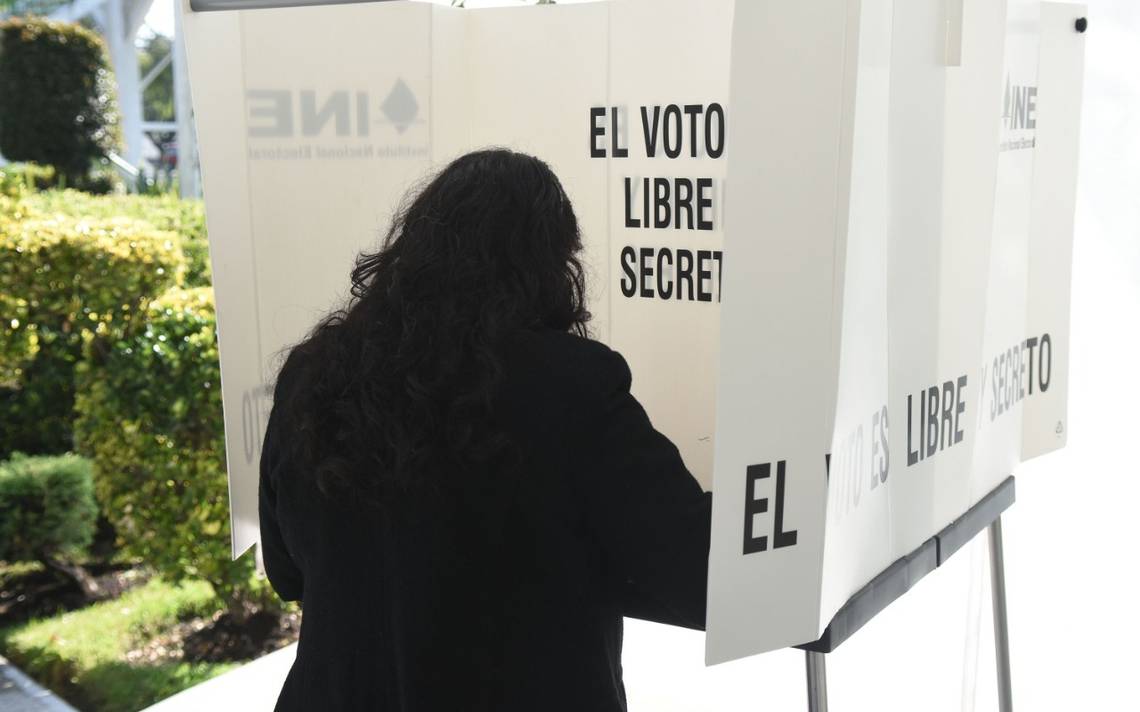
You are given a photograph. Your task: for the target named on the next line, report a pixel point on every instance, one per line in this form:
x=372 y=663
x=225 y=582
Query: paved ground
x=19 y=693
x=250 y=688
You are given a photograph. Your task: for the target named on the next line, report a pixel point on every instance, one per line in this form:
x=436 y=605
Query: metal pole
x=1001 y=622
x=816 y=681
x=189 y=182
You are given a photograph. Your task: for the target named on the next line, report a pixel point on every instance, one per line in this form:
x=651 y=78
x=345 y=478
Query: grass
x=82 y=655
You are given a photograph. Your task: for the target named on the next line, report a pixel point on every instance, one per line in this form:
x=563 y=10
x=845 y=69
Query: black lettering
x=921 y=425
x=1000 y=375
x=1031 y=343
x=684 y=201
x=661 y=203
x=646 y=265
x=886 y=468
x=876 y=471
x=718 y=111
x=1020 y=371
x=650 y=134
x=615 y=133
x=754 y=506
x=911 y=453
x=1010 y=374
x=629 y=277
x=931 y=420
x=1045 y=370
x=704 y=201
x=994 y=391
x=959 y=409
x=684 y=272
x=630 y=221
x=693 y=111
x=703 y=273
x=645 y=202
x=673 y=128
x=781 y=538
x=664 y=286
x=596 y=131
x=946 y=431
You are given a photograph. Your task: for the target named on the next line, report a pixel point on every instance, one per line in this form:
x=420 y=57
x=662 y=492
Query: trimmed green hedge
x=19 y=345
x=104 y=351
x=165 y=212
x=151 y=419
x=47 y=508
x=59 y=102
x=69 y=282
x=19 y=179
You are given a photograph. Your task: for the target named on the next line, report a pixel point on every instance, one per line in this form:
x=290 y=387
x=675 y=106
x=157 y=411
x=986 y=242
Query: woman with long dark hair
x=456 y=481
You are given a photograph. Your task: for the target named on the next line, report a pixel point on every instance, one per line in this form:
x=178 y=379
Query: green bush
x=151 y=419
x=47 y=514
x=47 y=507
x=165 y=212
x=72 y=285
x=18 y=346
x=12 y=205
x=59 y=106
x=19 y=179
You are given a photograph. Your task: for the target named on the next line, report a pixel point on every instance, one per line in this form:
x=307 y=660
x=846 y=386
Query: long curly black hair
x=397 y=386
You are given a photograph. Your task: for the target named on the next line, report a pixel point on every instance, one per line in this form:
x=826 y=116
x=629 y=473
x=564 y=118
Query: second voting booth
x=832 y=238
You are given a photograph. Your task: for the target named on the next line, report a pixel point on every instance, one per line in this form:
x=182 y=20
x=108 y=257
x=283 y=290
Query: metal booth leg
x=816 y=681
x=1001 y=622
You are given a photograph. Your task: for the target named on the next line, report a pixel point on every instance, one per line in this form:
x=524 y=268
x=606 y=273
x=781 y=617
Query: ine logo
x=1019 y=107
x=284 y=113
x=400 y=106
x=1018 y=116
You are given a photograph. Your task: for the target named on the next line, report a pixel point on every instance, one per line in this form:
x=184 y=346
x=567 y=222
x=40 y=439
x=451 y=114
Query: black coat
x=497 y=592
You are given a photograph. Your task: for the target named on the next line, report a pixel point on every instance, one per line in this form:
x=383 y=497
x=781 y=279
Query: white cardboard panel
x=999 y=419
x=1059 y=77
x=302 y=167
x=218 y=92
x=779 y=321
x=858 y=522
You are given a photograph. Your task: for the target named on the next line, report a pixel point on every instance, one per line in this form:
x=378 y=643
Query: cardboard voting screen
x=897 y=208
x=831 y=167
x=314 y=121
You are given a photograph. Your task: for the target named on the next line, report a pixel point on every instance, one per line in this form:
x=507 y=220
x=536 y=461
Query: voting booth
x=833 y=240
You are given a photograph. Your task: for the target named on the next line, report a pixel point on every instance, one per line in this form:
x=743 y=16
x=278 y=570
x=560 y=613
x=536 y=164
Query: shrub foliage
x=47 y=512
x=67 y=284
x=103 y=349
x=59 y=105
x=165 y=212
x=151 y=418
x=18 y=179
